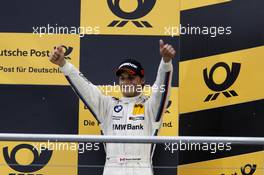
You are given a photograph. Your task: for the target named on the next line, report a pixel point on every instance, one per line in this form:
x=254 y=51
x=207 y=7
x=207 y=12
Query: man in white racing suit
x=133 y=115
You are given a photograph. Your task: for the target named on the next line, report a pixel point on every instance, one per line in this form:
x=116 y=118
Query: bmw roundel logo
x=118 y=108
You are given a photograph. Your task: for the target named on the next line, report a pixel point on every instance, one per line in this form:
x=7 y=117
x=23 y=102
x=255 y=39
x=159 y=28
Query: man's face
x=131 y=85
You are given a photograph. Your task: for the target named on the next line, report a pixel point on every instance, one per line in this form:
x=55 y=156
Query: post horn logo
x=231 y=76
x=252 y=169
x=67 y=51
x=40 y=159
x=143 y=8
x=168 y=106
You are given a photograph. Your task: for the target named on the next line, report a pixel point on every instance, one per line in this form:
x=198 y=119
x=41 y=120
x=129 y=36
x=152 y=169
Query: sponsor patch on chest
x=127 y=127
x=139 y=109
x=135 y=118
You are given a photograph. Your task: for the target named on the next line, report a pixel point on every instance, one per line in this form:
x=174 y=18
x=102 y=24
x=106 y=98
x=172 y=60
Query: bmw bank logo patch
x=118 y=108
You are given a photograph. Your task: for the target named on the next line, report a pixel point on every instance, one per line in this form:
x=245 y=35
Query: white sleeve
x=91 y=96
x=159 y=98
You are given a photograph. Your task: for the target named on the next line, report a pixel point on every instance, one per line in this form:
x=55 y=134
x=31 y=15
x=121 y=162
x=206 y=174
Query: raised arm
x=161 y=88
x=91 y=96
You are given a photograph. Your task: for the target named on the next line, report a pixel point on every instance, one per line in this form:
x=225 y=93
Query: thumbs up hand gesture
x=57 y=56
x=166 y=51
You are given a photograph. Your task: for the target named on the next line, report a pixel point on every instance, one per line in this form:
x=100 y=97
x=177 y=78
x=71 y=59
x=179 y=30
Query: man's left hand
x=166 y=51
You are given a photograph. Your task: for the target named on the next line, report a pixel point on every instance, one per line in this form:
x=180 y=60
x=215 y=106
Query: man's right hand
x=57 y=56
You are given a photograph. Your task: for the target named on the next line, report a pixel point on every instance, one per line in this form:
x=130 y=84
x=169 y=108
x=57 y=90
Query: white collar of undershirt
x=126 y=99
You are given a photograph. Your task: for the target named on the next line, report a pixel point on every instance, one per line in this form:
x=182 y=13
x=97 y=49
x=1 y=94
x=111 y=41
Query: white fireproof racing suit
x=136 y=116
